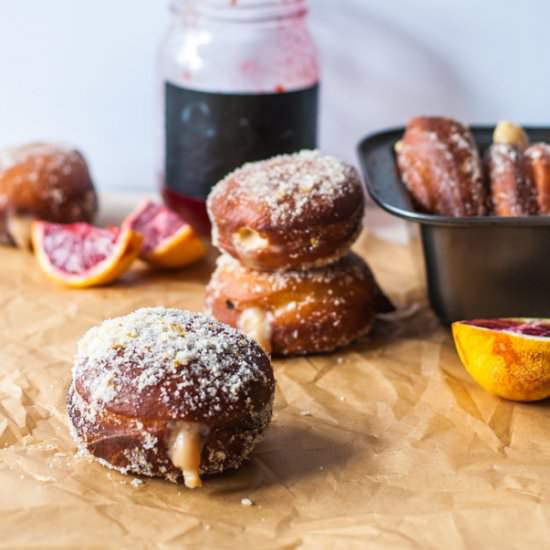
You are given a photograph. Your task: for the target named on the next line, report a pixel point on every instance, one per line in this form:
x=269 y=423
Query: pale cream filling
x=19 y=228
x=256 y=323
x=185 y=450
x=249 y=240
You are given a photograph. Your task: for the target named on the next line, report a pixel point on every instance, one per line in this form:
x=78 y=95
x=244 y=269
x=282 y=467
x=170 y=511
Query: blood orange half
x=169 y=242
x=507 y=357
x=80 y=255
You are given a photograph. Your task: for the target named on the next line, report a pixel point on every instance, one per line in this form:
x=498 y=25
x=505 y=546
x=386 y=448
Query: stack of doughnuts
x=286 y=275
x=442 y=168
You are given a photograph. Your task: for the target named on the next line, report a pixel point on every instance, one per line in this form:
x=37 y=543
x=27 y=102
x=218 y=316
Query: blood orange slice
x=169 y=241
x=80 y=255
x=507 y=357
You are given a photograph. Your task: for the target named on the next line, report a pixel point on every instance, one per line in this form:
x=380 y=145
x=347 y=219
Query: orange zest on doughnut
x=80 y=255
x=169 y=242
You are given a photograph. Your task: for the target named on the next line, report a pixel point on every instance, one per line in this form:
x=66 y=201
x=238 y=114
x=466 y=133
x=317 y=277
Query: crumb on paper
x=136 y=482
x=207 y=527
x=305 y=413
x=340 y=360
x=247 y=502
x=342 y=398
x=82 y=454
x=44 y=479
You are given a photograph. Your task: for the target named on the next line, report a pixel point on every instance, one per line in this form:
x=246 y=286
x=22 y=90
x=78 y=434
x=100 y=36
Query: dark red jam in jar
x=240 y=82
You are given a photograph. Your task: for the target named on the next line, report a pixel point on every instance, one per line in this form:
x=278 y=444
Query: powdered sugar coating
x=197 y=368
x=501 y=157
x=513 y=192
x=308 y=311
x=538 y=151
x=289 y=184
x=440 y=165
x=339 y=274
x=53 y=155
x=537 y=161
x=289 y=212
x=46 y=164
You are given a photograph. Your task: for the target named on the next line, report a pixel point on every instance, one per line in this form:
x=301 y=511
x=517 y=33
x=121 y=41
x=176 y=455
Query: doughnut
x=537 y=165
x=168 y=393
x=289 y=212
x=46 y=182
x=512 y=190
x=296 y=312
x=440 y=166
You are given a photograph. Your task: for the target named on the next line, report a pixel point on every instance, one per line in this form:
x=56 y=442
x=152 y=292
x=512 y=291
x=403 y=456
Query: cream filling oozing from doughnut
x=19 y=228
x=185 y=450
x=256 y=323
x=249 y=240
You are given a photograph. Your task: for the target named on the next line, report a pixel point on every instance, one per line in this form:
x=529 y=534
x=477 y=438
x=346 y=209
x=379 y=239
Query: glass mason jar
x=240 y=82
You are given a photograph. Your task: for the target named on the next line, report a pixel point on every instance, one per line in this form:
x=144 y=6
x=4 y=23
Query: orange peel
x=507 y=357
x=80 y=255
x=169 y=242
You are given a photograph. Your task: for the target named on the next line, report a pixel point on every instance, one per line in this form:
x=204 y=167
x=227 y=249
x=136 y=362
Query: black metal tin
x=476 y=267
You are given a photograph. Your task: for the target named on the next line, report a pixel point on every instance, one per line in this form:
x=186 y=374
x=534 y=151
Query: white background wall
x=83 y=71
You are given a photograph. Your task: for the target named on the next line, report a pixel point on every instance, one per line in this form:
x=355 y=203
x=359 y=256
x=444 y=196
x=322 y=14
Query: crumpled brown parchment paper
x=385 y=444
